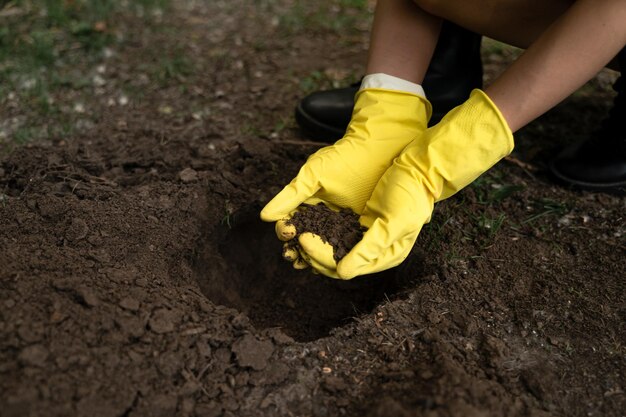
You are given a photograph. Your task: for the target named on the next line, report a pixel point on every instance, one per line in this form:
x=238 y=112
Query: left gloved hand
x=469 y=140
x=345 y=173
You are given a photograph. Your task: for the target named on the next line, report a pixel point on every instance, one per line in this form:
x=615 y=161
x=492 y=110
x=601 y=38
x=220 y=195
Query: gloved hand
x=468 y=141
x=344 y=174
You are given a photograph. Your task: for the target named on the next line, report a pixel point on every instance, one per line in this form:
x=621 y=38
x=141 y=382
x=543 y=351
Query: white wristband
x=389 y=82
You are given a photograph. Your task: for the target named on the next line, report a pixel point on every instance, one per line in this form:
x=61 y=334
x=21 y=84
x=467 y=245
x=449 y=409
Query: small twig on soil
x=521 y=164
x=384 y=333
x=202 y=371
x=74 y=176
x=189 y=375
x=529 y=169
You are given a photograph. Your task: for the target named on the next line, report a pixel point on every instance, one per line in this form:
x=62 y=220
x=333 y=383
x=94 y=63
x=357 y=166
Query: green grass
x=43 y=42
x=319 y=80
x=489 y=191
x=547 y=207
x=40 y=33
x=491 y=224
x=45 y=30
x=491 y=188
x=334 y=16
x=313 y=82
x=174 y=67
x=501 y=193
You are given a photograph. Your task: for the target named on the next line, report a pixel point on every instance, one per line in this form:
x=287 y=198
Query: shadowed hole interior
x=241 y=267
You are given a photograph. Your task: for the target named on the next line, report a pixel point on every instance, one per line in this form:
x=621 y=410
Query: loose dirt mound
x=136 y=278
x=149 y=293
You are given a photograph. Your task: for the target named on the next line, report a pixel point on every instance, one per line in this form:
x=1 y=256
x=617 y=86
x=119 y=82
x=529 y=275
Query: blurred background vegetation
x=61 y=59
x=42 y=45
x=45 y=33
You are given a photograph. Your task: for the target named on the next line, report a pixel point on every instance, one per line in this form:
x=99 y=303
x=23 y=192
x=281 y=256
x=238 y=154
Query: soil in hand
x=341 y=229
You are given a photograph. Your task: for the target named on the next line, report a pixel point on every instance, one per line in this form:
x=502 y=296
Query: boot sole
x=618 y=187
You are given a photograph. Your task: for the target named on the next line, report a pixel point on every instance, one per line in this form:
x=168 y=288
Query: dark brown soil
x=137 y=280
x=341 y=229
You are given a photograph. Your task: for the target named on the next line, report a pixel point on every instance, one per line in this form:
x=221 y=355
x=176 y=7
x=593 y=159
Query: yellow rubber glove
x=344 y=174
x=468 y=141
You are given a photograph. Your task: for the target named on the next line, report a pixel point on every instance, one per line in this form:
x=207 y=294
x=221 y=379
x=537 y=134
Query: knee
x=434 y=7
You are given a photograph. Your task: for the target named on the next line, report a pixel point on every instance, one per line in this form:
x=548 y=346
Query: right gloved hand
x=345 y=174
x=468 y=141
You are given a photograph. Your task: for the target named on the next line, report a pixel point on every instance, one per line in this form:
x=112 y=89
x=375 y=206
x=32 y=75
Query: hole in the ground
x=244 y=270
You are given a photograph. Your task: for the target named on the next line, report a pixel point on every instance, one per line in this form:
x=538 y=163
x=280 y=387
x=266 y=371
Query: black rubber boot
x=599 y=163
x=454 y=71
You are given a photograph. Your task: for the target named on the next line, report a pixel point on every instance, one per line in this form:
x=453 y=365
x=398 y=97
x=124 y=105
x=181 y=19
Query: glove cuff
x=402 y=108
x=389 y=82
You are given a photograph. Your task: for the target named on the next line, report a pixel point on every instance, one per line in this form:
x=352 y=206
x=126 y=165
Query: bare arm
x=570 y=52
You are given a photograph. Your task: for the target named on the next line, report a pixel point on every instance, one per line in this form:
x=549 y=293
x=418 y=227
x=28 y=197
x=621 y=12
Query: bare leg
x=403 y=40
x=516 y=22
x=566 y=44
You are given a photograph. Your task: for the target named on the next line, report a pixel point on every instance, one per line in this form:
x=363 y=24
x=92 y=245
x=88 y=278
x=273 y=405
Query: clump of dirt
x=341 y=229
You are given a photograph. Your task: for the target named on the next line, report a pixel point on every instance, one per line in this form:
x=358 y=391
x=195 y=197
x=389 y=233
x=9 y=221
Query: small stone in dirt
x=341 y=229
x=188 y=175
x=52 y=208
x=274 y=374
x=129 y=303
x=34 y=355
x=169 y=363
x=87 y=297
x=240 y=321
x=253 y=353
x=164 y=320
x=131 y=327
x=334 y=384
x=279 y=337
x=31 y=332
x=78 y=230
x=187 y=406
x=162 y=405
x=204 y=349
